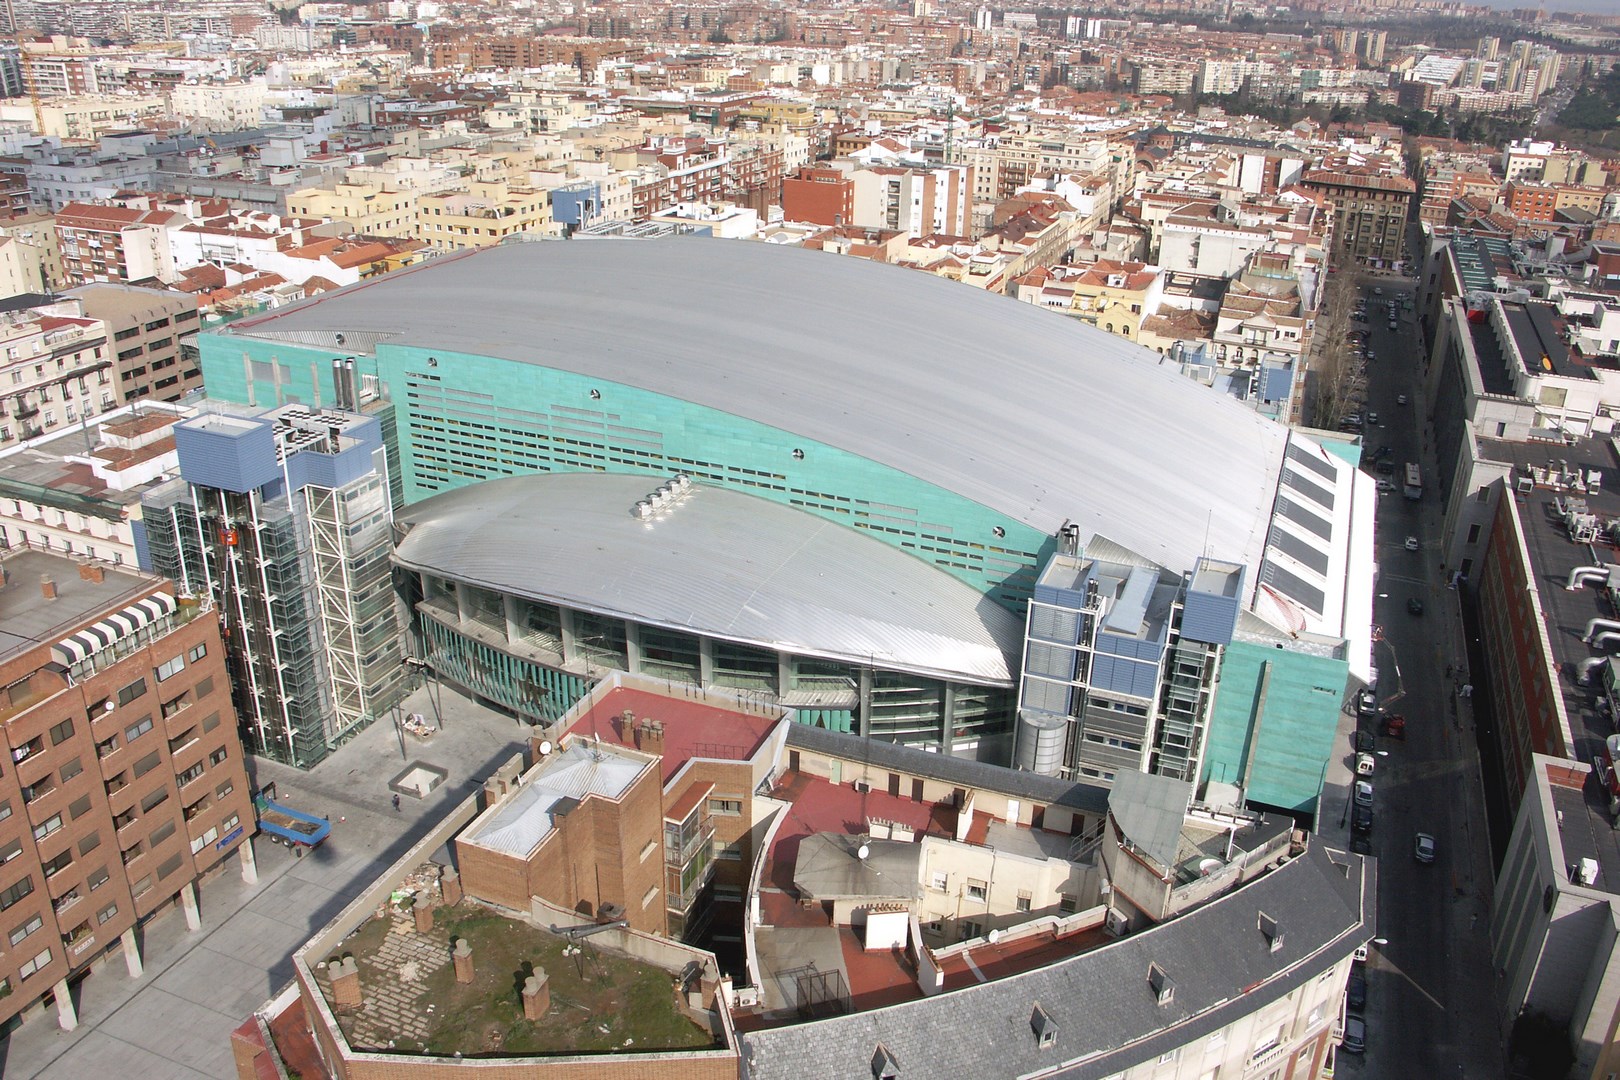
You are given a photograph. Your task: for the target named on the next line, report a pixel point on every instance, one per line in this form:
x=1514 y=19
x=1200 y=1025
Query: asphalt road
x=1430 y=985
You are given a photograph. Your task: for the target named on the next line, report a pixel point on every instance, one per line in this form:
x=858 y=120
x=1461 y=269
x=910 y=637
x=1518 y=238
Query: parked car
x=1414 y=606
x=1385 y=485
x=1378 y=290
x=1355 y=1035
x=1361 y=845
x=1395 y=726
x=1400 y=399
x=1423 y=848
x=1364 y=742
x=1372 y=418
x=1364 y=793
x=1366 y=701
x=1411 y=543
x=1361 y=820
x=1355 y=990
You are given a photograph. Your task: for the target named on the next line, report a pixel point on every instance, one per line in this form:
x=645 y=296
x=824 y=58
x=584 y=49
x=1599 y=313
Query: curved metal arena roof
x=718 y=563
x=1038 y=417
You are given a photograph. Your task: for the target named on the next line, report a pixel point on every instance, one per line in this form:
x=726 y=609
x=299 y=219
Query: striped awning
x=115 y=627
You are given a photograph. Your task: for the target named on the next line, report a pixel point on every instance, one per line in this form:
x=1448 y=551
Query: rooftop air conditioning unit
x=863 y=786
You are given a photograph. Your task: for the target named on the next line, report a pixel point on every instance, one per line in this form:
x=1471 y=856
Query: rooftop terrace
x=601 y=1002
x=28 y=618
x=694 y=727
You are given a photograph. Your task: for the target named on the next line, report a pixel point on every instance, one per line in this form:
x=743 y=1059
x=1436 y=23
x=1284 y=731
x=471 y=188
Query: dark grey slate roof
x=1106 y=1016
x=954 y=770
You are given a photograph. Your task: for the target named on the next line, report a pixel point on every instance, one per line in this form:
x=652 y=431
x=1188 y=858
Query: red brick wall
x=819 y=196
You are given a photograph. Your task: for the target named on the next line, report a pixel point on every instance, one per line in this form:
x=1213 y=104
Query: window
x=141 y=887
x=146 y=764
x=976 y=890
x=154 y=799
x=107 y=914
x=939 y=879
x=70 y=770
x=197 y=653
x=160 y=834
x=25 y=929
x=97 y=878
x=89 y=843
x=726 y=852
x=61 y=862
x=1068 y=903
x=649 y=896
x=132 y=691
x=79 y=807
x=969 y=928
x=229 y=823
x=227 y=787
x=16 y=892
x=1473 y=534
x=726 y=807
x=182 y=779
x=1024 y=900
x=62 y=732
x=5 y=809
x=137 y=729
x=216 y=757
x=48 y=826
x=38 y=963
x=170 y=668
x=10 y=850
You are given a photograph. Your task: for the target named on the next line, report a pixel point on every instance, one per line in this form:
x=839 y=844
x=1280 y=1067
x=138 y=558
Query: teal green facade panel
x=1297 y=727
x=462 y=418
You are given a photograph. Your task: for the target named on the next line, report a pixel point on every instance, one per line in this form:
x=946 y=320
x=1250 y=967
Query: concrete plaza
x=175 y=1020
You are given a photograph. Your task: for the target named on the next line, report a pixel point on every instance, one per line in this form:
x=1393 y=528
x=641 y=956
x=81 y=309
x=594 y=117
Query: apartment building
x=111 y=243
x=57 y=366
x=149 y=333
x=371 y=208
x=1370 y=213
x=481 y=216
x=30 y=258
x=125 y=781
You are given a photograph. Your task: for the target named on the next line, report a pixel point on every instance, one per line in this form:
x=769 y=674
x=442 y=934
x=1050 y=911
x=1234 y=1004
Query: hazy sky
x=1601 y=7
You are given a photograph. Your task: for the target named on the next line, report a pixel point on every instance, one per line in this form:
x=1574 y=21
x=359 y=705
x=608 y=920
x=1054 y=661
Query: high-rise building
x=124 y=781
x=283 y=519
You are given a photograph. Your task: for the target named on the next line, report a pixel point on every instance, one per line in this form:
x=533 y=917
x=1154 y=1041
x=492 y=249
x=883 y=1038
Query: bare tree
x=1335 y=369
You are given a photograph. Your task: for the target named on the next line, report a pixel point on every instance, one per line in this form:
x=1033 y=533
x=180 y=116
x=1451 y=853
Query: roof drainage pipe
x=1587 y=668
x=1599 y=624
x=1582 y=574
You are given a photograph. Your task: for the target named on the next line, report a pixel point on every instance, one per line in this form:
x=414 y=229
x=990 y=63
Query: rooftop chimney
x=47 y=586
x=463 y=960
x=345 y=975
x=536 y=995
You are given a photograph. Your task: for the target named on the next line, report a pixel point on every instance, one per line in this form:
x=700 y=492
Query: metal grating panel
x=1322 y=496
x=1324 y=469
x=1292 y=546
x=1293 y=586
x=1299 y=515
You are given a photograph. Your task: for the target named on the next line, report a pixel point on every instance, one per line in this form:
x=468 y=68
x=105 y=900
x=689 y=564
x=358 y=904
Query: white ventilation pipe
x=1599 y=624
x=1605 y=639
x=1582 y=574
x=1588 y=667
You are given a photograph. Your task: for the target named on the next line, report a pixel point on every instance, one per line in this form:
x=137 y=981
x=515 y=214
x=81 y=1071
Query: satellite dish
x=545 y=747
x=994 y=936
x=107 y=706
x=862 y=852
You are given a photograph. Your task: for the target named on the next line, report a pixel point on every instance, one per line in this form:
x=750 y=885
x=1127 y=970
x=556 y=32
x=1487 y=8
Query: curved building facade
x=525 y=589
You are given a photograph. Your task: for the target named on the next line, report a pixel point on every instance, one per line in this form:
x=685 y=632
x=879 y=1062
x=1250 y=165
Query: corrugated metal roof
x=719 y=563
x=1037 y=417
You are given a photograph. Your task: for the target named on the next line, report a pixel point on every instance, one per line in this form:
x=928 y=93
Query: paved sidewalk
x=175 y=1020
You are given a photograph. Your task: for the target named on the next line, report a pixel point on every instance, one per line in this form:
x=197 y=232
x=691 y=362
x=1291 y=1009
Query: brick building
x=820 y=196
x=126 y=781
x=1370 y=213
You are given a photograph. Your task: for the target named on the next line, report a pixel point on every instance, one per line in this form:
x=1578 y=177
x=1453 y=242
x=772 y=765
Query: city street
x=1430 y=988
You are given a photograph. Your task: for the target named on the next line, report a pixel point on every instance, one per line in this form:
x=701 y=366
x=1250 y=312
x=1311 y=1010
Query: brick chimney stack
x=423 y=910
x=536 y=995
x=450 y=887
x=464 y=962
x=47 y=586
x=345 y=974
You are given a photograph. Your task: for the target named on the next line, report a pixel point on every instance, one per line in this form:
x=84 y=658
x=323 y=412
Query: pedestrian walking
x=396 y=801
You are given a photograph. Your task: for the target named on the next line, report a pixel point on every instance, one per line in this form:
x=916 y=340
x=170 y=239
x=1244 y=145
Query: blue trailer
x=287 y=826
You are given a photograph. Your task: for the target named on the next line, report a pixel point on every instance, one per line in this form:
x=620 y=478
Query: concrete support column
x=863 y=708
x=66 y=1017
x=570 y=652
x=132 y=953
x=705 y=661
x=188 y=903
x=250 y=863
x=947 y=737
x=509 y=609
x=632 y=646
